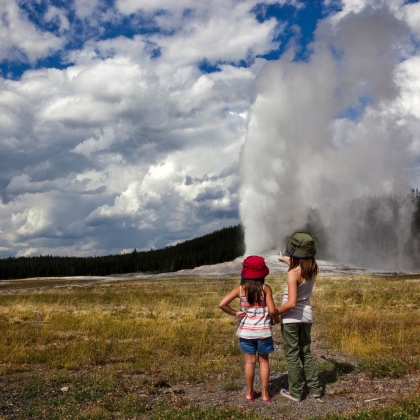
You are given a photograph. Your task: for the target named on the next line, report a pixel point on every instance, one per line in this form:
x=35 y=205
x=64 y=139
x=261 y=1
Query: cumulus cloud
x=20 y=39
x=96 y=156
x=103 y=140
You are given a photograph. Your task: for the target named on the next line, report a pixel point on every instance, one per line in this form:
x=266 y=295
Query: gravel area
x=354 y=391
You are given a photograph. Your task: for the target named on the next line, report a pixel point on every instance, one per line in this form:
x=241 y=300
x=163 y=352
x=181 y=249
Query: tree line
x=220 y=246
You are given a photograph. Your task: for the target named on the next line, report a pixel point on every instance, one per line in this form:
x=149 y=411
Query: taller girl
x=296 y=315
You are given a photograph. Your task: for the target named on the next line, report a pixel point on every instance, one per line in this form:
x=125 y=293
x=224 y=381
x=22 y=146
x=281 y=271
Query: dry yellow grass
x=174 y=327
x=90 y=337
x=171 y=327
x=374 y=319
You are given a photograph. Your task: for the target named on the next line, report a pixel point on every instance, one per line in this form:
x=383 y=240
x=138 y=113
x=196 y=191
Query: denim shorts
x=258 y=345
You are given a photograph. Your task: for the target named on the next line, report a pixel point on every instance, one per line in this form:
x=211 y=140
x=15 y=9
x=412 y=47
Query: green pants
x=297 y=346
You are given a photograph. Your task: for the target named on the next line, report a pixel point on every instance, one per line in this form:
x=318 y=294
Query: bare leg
x=250 y=360
x=264 y=374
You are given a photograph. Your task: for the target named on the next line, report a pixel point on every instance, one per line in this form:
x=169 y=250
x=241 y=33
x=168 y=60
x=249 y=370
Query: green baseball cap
x=301 y=245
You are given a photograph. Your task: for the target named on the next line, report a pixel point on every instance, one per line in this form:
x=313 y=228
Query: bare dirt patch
x=353 y=391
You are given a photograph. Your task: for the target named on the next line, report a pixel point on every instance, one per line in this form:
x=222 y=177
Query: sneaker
x=318 y=394
x=286 y=394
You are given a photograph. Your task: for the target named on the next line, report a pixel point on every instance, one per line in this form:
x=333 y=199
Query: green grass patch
x=278 y=361
x=231 y=385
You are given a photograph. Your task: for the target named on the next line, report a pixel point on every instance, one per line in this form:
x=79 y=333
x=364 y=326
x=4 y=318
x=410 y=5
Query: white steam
x=330 y=130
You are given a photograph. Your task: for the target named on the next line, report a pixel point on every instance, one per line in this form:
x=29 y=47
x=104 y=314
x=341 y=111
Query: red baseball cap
x=254 y=268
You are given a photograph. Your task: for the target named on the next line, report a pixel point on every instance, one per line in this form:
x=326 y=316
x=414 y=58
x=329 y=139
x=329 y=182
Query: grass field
x=77 y=351
x=374 y=319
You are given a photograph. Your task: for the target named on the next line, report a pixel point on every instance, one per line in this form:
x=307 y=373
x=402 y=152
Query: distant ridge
x=217 y=247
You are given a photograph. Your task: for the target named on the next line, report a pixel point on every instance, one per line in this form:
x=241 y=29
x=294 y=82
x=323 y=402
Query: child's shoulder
x=294 y=274
x=237 y=289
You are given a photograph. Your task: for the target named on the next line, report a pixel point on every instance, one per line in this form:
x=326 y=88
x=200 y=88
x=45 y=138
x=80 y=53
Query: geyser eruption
x=328 y=135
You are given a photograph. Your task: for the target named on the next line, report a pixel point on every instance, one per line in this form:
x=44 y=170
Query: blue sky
x=123 y=121
x=297 y=21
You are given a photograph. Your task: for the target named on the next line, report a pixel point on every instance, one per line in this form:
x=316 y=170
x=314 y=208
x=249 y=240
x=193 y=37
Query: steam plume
x=325 y=134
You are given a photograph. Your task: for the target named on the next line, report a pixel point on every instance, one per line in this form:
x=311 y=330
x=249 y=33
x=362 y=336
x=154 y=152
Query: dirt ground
x=353 y=391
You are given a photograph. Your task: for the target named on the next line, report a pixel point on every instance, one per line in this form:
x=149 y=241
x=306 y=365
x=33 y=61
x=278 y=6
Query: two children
x=258 y=314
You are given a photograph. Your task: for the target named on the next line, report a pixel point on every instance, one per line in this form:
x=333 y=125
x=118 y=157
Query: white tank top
x=302 y=312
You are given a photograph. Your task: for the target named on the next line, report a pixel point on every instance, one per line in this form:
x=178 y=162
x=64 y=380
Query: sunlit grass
x=173 y=327
x=376 y=320
x=87 y=337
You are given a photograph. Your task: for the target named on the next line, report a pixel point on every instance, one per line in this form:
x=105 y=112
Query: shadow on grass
x=332 y=371
x=335 y=371
x=277 y=384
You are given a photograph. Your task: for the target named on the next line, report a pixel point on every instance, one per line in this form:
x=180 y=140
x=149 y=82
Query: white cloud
x=19 y=37
x=215 y=30
x=102 y=140
x=35 y=220
x=408 y=78
x=218 y=39
x=411 y=14
x=55 y=14
x=85 y=8
x=103 y=149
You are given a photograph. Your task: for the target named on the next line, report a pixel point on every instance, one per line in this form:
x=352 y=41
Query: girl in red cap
x=255 y=322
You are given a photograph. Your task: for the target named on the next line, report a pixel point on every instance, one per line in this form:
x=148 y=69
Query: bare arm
x=224 y=303
x=293 y=278
x=270 y=304
x=284 y=259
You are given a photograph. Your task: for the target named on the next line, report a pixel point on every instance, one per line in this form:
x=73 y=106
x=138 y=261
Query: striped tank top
x=257 y=321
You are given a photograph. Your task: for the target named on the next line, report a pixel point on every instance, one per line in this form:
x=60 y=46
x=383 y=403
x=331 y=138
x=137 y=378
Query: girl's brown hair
x=308 y=267
x=253 y=289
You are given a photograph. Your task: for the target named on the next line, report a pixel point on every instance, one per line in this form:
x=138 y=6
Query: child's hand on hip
x=240 y=314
